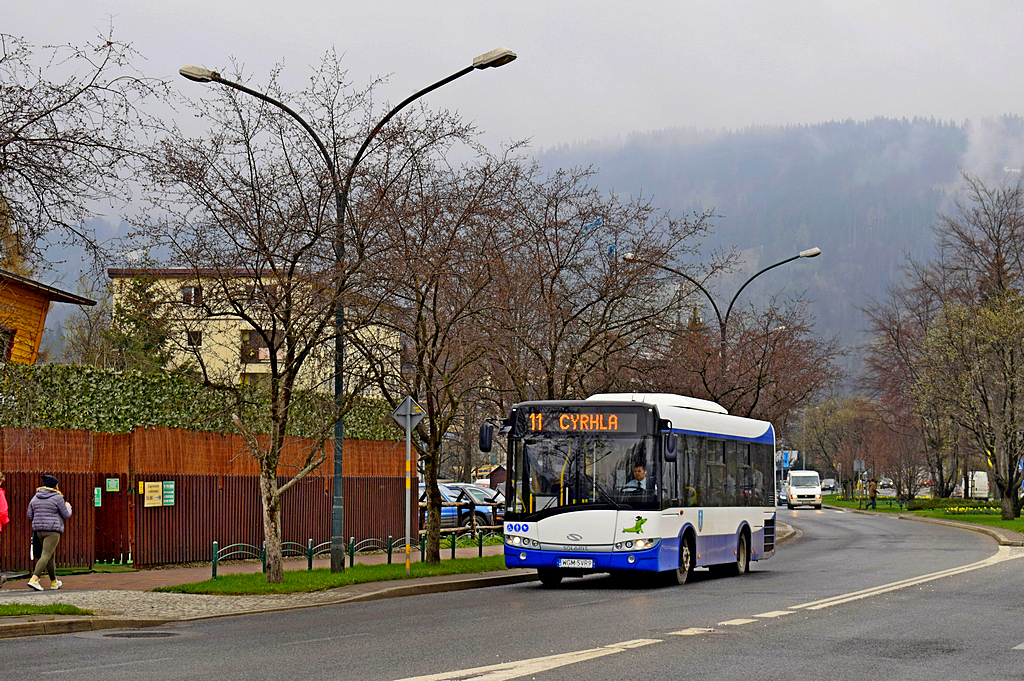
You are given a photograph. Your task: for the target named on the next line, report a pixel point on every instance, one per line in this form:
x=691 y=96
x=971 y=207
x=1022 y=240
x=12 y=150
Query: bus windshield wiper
x=603 y=494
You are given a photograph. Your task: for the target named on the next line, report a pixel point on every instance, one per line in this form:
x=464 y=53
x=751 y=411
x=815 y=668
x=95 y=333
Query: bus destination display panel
x=574 y=421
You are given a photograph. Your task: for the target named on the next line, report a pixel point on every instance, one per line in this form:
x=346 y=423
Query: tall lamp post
x=723 y=320
x=492 y=59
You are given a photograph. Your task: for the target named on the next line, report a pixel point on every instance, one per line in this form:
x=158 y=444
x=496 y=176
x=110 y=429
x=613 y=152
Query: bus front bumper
x=664 y=556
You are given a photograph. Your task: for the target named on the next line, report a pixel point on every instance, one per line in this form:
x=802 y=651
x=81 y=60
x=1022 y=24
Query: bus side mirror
x=668 y=441
x=486 y=437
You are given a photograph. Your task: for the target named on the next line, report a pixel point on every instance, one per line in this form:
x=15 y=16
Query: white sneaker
x=56 y=584
x=33 y=583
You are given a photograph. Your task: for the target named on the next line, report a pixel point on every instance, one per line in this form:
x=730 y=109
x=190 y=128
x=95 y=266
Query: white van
x=979 y=486
x=803 y=488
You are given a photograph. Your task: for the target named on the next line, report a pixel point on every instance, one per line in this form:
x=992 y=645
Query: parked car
x=461 y=516
x=487 y=514
x=828 y=485
x=449 y=514
x=780 y=493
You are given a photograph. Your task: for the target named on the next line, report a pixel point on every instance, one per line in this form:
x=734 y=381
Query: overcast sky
x=594 y=69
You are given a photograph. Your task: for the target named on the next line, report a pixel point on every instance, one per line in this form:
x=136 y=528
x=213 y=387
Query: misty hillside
x=866 y=193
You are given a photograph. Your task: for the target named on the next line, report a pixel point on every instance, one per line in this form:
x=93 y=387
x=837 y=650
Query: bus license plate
x=575 y=563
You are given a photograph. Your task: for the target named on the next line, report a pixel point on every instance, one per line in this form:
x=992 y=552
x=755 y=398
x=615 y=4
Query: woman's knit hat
x=49 y=481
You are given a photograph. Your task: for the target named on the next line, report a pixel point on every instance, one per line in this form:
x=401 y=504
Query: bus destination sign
x=572 y=422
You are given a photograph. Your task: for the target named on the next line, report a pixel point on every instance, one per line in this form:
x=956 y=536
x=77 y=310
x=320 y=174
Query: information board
x=153 y=494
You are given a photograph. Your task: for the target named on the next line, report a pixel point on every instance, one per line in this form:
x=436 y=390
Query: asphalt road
x=832 y=604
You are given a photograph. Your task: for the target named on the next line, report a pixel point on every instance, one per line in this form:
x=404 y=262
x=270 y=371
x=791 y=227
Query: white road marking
x=520 y=668
x=107 y=666
x=514 y=670
x=576 y=605
x=1005 y=553
x=321 y=640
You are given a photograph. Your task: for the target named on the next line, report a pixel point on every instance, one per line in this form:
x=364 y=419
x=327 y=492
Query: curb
x=1002 y=537
x=77 y=625
x=71 y=626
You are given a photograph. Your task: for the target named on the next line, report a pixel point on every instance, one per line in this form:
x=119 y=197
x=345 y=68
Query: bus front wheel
x=549 y=577
x=687 y=557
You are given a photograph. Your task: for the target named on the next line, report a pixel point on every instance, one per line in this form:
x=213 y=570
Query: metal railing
x=457 y=537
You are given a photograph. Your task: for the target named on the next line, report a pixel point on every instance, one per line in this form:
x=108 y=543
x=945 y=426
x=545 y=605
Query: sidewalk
x=124 y=600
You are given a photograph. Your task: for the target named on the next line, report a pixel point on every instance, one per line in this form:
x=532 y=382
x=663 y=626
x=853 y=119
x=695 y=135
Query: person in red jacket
x=47 y=511
x=5 y=516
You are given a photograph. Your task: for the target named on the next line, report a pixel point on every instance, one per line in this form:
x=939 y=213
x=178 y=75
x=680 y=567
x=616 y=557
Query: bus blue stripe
x=768 y=437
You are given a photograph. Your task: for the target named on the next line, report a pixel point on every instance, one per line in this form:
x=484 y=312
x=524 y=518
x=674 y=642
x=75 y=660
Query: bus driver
x=637 y=483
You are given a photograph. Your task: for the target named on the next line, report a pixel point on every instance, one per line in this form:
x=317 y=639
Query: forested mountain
x=866 y=193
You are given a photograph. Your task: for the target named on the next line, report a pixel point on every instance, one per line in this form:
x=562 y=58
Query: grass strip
x=17 y=609
x=1016 y=525
x=297 y=581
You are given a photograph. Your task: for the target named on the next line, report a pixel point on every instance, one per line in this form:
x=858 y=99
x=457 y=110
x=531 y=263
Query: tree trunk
x=272 y=526
x=432 y=554
x=1007 y=508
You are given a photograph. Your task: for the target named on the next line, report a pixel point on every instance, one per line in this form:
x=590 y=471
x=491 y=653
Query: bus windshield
x=554 y=471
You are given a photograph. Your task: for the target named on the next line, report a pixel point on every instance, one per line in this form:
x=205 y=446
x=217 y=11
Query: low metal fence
x=456 y=537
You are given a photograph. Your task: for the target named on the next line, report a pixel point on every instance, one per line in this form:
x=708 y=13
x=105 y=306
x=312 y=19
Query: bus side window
x=748 y=495
x=715 y=478
x=732 y=496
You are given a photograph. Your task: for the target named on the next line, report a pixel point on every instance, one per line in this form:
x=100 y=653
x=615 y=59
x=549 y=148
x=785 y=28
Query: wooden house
x=24 y=305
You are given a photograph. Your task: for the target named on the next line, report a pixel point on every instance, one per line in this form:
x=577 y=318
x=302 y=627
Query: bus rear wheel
x=742 y=566
x=549 y=577
x=687 y=557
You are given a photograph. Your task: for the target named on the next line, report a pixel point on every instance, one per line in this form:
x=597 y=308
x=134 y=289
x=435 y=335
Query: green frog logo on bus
x=638 y=528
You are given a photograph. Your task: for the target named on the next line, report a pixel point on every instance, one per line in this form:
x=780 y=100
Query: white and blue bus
x=646 y=483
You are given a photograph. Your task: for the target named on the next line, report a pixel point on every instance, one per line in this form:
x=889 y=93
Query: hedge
x=111 y=401
x=927 y=504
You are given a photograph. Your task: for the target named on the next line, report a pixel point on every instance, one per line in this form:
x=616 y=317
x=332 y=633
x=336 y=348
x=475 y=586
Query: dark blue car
x=462 y=516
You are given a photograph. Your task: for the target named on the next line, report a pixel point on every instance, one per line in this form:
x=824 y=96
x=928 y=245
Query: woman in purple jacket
x=47 y=511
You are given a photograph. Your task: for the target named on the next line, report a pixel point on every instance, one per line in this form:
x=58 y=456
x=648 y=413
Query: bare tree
x=956 y=331
x=776 y=365
x=900 y=325
x=433 y=286
x=70 y=121
x=836 y=432
x=247 y=216
x=573 y=315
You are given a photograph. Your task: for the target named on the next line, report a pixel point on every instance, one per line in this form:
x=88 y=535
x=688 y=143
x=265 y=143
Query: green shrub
x=928 y=504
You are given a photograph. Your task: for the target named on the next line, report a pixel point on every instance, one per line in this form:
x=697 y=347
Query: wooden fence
x=202 y=487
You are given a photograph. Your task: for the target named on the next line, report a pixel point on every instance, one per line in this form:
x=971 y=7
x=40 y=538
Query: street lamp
x=492 y=59
x=723 y=321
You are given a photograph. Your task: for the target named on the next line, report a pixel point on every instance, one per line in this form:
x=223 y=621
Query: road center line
x=106 y=666
x=513 y=670
x=321 y=640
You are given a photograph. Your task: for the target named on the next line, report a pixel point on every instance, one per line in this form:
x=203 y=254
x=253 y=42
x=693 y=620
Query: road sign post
x=408 y=415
